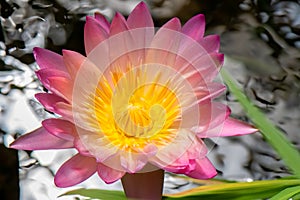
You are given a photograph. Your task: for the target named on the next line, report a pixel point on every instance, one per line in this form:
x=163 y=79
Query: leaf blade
x=273 y=135
x=286 y=193
x=97 y=194
x=239 y=190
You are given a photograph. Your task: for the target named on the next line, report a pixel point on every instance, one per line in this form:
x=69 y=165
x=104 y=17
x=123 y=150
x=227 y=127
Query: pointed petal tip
x=118 y=15
x=108 y=181
x=195 y=27
x=119 y=20
x=234 y=127
x=72 y=56
x=173 y=24
x=211 y=43
x=15 y=145
x=218 y=59
x=64 y=51
x=108 y=174
x=38 y=74
x=60 y=128
x=89 y=18
x=176 y=19
x=94 y=33
x=140 y=16
x=75 y=170
x=118 y=24
x=210 y=174
x=48 y=59
x=36 y=51
x=204 y=169
x=199 y=17
x=142 y=5
x=39 y=96
x=67 y=53
x=104 y=23
x=59 y=183
x=32 y=141
x=98 y=16
x=221 y=57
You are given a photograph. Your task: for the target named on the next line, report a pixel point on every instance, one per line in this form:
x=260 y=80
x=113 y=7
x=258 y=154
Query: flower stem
x=146 y=186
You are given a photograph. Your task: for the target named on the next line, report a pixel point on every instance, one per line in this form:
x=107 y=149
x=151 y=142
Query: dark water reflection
x=260 y=39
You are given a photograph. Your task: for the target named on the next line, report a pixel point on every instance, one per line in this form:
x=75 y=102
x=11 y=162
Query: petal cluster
x=139 y=100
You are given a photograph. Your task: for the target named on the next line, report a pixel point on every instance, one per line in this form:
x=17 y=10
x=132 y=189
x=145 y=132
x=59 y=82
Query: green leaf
x=97 y=194
x=213 y=181
x=236 y=191
x=273 y=135
x=287 y=193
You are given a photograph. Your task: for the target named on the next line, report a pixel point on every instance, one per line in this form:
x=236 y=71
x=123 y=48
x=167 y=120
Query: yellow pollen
x=133 y=113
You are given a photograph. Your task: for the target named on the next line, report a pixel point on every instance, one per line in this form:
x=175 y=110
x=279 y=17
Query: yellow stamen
x=133 y=113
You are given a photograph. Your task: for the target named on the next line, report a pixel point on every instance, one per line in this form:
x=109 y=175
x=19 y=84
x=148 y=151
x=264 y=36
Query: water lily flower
x=139 y=100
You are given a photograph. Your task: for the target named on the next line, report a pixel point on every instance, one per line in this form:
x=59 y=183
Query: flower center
x=136 y=111
x=142 y=116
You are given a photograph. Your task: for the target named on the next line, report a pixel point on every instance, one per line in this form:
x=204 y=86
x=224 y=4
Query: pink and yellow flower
x=138 y=101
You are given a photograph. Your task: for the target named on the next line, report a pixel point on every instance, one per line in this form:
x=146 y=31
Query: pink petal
x=208 y=92
x=93 y=34
x=47 y=72
x=195 y=27
x=141 y=23
x=60 y=128
x=208 y=66
x=211 y=115
x=184 y=168
x=102 y=21
x=185 y=163
x=140 y=17
x=81 y=148
x=121 y=45
x=118 y=24
x=61 y=86
x=40 y=139
x=165 y=44
x=201 y=69
x=133 y=162
x=164 y=38
x=216 y=66
x=48 y=59
x=172 y=24
x=178 y=152
x=210 y=43
x=75 y=170
x=109 y=175
x=197 y=67
x=203 y=169
x=193 y=32
x=49 y=100
x=73 y=61
x=64 y=109
x=44 y=74
x=97 y=145
x=231 y=127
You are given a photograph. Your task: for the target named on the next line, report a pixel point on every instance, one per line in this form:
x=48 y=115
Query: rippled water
x=259 y=38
